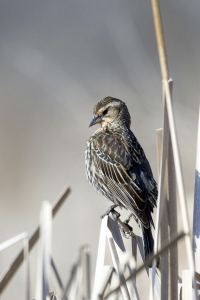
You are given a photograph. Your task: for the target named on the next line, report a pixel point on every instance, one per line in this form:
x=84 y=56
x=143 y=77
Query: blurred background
x=58 y=58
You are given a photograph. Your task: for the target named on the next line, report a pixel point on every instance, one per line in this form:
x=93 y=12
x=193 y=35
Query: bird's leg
x=125 y=227
x=111 y=210
x=127 y=230
x=128 y=219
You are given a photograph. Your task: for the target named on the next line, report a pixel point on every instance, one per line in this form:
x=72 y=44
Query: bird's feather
x=123 y=168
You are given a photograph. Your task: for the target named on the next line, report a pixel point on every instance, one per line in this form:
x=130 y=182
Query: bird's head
x=111 y=111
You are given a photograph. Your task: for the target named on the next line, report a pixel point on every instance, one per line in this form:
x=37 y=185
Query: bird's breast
x=89 y=163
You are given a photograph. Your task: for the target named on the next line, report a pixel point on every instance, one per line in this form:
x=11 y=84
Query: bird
x=117 y=167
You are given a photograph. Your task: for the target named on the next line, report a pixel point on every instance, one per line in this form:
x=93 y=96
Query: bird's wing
x=120 y=170
x=146 y=176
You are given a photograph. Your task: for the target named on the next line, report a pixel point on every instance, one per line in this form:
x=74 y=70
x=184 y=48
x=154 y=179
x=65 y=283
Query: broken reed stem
x=165 y=77
x=149 y=260
x=13 y=268
x=160 y=39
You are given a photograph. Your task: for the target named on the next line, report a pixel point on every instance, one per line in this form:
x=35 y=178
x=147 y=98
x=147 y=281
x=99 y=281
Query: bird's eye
x=105 y=112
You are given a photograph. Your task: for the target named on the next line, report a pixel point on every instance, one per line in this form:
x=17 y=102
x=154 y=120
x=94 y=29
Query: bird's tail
x=148 y=241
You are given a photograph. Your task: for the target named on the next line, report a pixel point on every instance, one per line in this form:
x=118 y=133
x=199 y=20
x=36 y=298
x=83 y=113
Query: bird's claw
x=111 y=210
x=127 y=230
x=115 y=214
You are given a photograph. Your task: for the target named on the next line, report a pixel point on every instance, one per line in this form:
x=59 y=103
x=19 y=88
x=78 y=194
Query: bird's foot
x=112 y=210
x=127 y=230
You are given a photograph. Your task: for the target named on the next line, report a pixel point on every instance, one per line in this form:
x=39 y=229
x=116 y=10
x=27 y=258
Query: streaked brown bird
x=117 y=166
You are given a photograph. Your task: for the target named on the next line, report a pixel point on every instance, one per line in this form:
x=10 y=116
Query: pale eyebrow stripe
x=111 y=104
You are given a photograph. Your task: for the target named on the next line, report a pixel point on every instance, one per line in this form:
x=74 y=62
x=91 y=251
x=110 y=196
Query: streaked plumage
x=117 y=166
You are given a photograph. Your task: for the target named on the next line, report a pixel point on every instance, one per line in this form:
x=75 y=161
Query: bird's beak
x=95 y=120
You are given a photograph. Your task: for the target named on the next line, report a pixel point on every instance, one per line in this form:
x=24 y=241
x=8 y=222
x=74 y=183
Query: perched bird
x=117 y=166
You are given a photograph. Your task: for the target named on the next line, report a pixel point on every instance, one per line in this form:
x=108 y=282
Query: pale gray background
x=57 y=58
